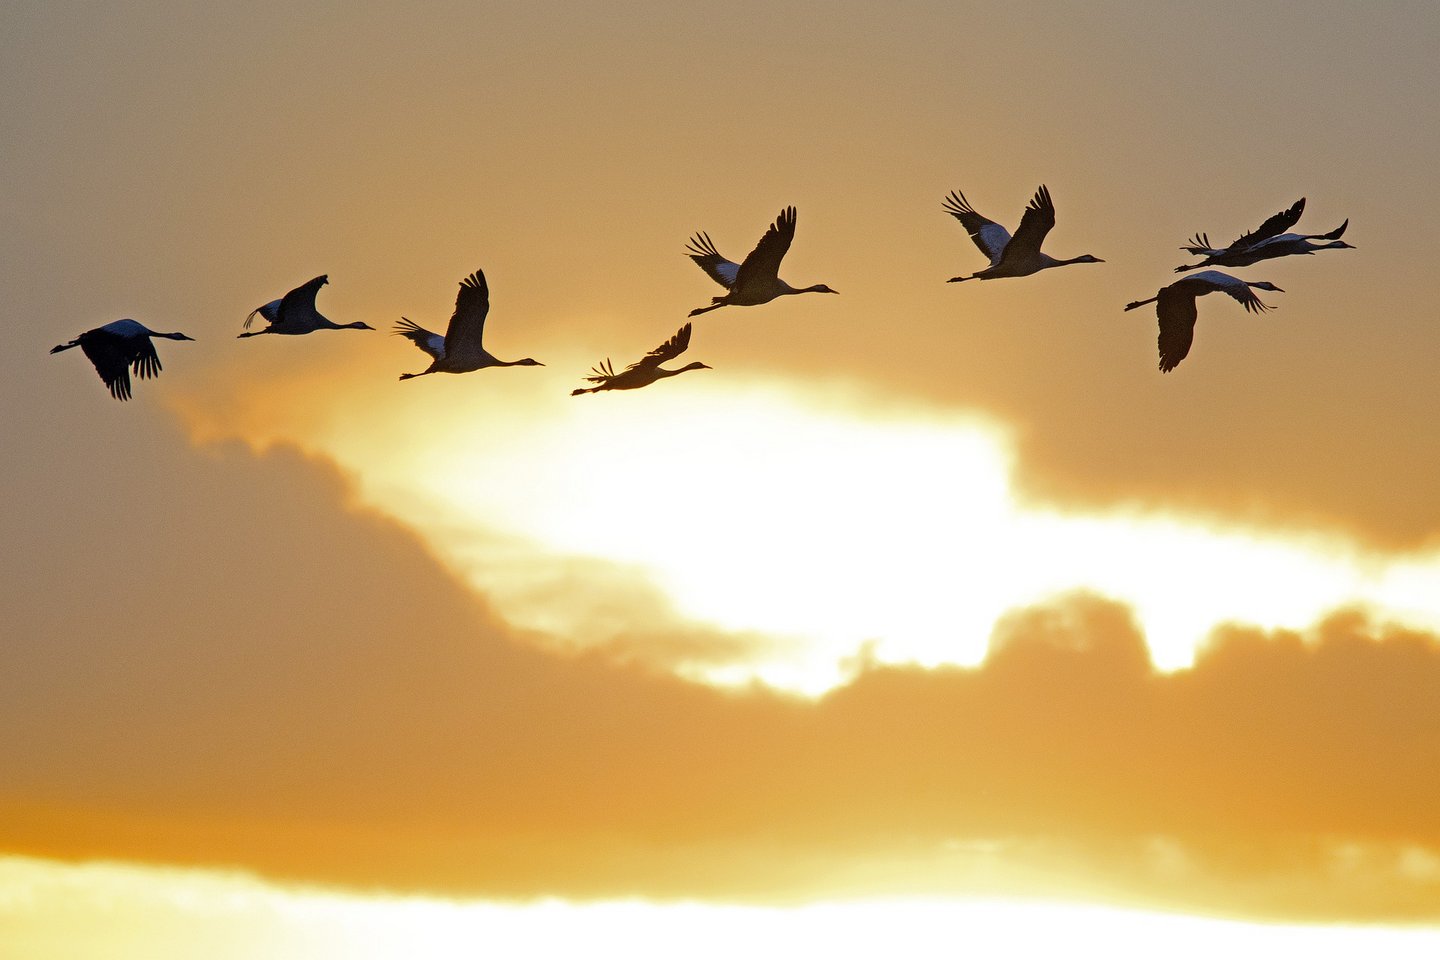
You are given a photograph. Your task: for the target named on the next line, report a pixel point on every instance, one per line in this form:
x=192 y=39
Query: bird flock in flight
x=123 y=347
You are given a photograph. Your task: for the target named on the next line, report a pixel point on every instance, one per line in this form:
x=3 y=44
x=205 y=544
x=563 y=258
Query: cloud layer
x=245 y=671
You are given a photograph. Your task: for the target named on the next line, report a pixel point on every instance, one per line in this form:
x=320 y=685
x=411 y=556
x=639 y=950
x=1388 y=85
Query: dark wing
x=298 y=306
x=1273 y=227
x=603 y=372
x=763 y=264
x=1247 y=298
x=111 y=356
x=269 y=311
x=467 y=325
x=988 y=235
x=703 y=252
x=1037 y=220
x=144 y=360
x=668 y=350
x=427 y=340
x=1176 y=311
x=1199 y=245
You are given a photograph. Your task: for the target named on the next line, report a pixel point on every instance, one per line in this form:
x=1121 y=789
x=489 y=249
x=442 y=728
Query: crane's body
x=756 y=280
x=116 y=349
x=1010 y=256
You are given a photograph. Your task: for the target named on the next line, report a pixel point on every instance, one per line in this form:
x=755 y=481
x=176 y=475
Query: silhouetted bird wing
x=1035 y=223
x=988 y=235
x=603 y=372
x=113 y=349
x=1176 y=311
x=703 y=252
x=269 y=311
x=298 y=306
x=668 y=350
x=464 y=336
x=1207 y=281
x=1272 y=227
x=144 y=361
x=427 y=340
x=763 y=264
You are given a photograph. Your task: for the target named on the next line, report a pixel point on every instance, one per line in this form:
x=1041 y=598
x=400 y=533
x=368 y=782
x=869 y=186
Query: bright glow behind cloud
x=829 y=522
x=120 y=912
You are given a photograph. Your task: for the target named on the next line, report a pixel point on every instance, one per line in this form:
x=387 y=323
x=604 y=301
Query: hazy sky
x=283 y=613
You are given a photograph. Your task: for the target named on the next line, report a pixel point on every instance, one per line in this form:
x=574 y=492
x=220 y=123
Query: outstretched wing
x=668 y=350
x=144 y=360
x=298 y=306
x=603 y=372
x=111 y=356
x=467 y=325
x=703 y=252
x=1199 y=245
x=1209 y=281
x=763 y=264
x=427 y=340
x=269 y=311
x=1273 y=227
x=1247 y=298
x=988 y=235
x=1176 y=311
x=1035 y=223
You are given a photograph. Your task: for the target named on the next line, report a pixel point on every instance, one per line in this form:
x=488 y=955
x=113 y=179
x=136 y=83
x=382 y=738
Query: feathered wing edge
x=702 y=250
x=989 y=237
x=1273 y=226
x=422 y=338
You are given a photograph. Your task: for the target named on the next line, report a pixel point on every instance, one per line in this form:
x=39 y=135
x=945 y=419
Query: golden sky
x=923 y=590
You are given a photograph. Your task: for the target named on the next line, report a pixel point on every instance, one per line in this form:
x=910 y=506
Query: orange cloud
x=236 y=669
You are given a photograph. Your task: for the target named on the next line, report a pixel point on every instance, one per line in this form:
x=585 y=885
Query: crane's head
x=1266 y=285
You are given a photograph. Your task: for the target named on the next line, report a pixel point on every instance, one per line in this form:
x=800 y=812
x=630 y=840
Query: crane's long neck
x=1141 y=303
x=662 y=373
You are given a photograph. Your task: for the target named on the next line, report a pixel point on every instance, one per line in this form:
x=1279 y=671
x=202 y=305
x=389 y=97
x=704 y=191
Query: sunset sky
x=930 y=607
